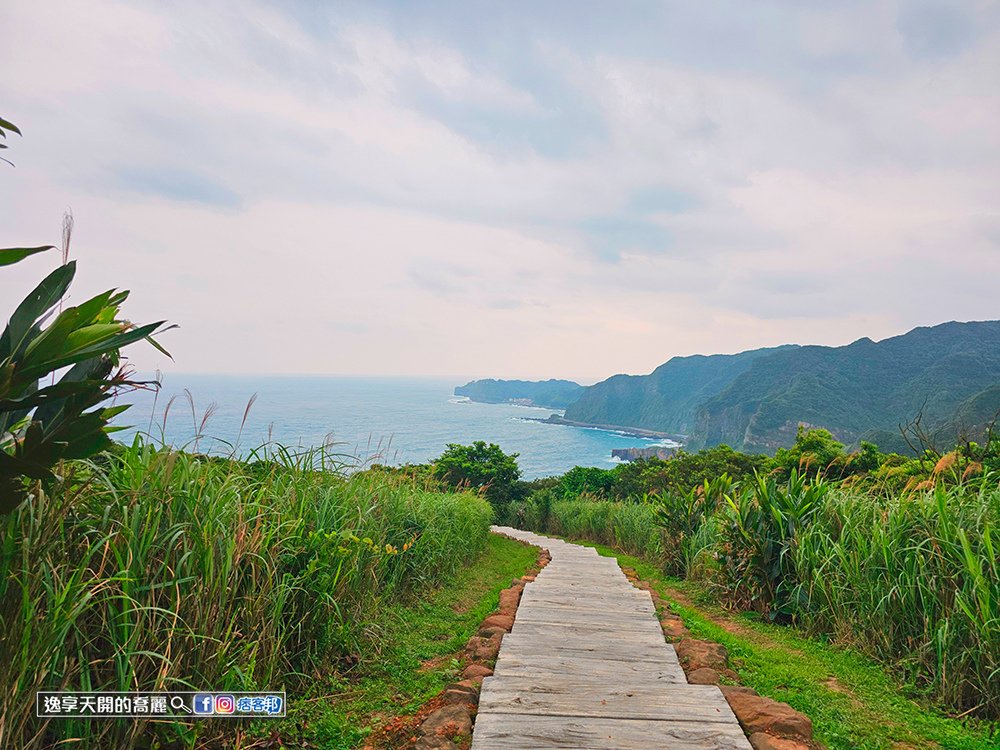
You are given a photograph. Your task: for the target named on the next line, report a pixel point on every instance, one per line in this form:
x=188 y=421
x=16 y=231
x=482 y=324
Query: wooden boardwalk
x=586 y=666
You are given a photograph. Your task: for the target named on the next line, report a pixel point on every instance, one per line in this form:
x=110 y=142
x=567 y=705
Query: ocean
x=374 y=420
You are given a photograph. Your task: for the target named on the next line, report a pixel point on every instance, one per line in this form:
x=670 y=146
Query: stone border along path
x=586 y=666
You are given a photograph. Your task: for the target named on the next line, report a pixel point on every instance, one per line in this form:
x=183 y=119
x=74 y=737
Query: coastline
x=631 y=431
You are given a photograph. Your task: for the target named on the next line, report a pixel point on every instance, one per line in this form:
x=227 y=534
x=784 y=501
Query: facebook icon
x=204 y=703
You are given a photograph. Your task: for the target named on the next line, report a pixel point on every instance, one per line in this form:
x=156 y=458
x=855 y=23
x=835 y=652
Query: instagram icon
x=225 y=704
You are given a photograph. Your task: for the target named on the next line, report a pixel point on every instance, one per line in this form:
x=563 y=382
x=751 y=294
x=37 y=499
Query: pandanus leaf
x=25 y=318
x=41 y=426
x=11 y=255
x=5 y=125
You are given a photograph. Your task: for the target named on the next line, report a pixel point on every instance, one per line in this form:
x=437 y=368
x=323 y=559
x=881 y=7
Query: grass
x=853 y=702
x=911 y=579
x=153 y=569
x=417 y=633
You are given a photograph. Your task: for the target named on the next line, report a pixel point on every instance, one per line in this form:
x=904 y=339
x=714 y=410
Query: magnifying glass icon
x=178 y=704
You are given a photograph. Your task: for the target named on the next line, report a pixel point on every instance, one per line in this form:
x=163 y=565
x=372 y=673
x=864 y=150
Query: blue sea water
x=384 y=420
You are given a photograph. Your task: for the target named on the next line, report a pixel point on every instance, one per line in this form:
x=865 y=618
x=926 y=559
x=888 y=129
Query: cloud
x=934 y=29
x=515 y=189
x=176 y=184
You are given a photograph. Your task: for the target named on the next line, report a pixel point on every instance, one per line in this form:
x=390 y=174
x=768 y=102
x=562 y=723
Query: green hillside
x=668 y=398
x=949 y=373
x=755 y=400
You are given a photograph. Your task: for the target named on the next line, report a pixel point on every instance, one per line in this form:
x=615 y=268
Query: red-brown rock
x=433 y=742
x=695 y=654
x=673 y=629
x=482 y=649
x=466 y=691
x=476 y=670
x=759 y=714
x=509 y=599
x=499 y=621
x=703 y=676
x=763 y=741
x=491 y=631
x=728 y=690
x=449 y=721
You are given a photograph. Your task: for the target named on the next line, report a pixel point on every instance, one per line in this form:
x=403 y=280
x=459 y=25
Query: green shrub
x=587 y=480
x=759 y=536
x=681 y=515
x=480 y=466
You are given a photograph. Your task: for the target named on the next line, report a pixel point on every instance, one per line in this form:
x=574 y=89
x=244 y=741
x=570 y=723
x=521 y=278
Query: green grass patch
x=853 y=703
x=412 y=666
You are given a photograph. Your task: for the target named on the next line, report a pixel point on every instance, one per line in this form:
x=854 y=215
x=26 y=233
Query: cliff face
x=668 y=398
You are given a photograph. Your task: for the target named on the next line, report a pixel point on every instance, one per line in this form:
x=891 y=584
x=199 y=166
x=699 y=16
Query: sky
x=517 y=189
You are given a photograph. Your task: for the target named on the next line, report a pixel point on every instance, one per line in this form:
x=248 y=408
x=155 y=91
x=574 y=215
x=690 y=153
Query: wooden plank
x=596 y=600
x=618 y=672
x=540 y=653
x=591 y=582
x=606 y=631
x=587 y=646
x=595 y=606
x=583 y=698
x=496 y=731
x=570 y=616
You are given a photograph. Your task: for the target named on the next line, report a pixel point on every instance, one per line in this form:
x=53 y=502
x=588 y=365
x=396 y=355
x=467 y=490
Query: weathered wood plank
x=586 y=646
x=570 y=616
x=599 y=601
x=553 y=631
x=617 y=672
x=498 y=731
x=583 y=698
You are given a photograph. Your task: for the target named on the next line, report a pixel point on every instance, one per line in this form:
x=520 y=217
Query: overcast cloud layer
x=507 y=189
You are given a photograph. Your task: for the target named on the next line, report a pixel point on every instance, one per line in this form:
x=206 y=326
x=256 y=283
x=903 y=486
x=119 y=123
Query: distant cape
x=554 y=394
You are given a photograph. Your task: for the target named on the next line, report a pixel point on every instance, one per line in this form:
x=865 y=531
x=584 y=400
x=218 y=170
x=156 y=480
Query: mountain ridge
x=755 y=400
x=856 y=389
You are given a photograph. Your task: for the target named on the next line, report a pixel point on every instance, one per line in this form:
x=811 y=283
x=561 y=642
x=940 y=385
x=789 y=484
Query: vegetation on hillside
x=944 y=375
x=948 y=376
x=668 y=398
